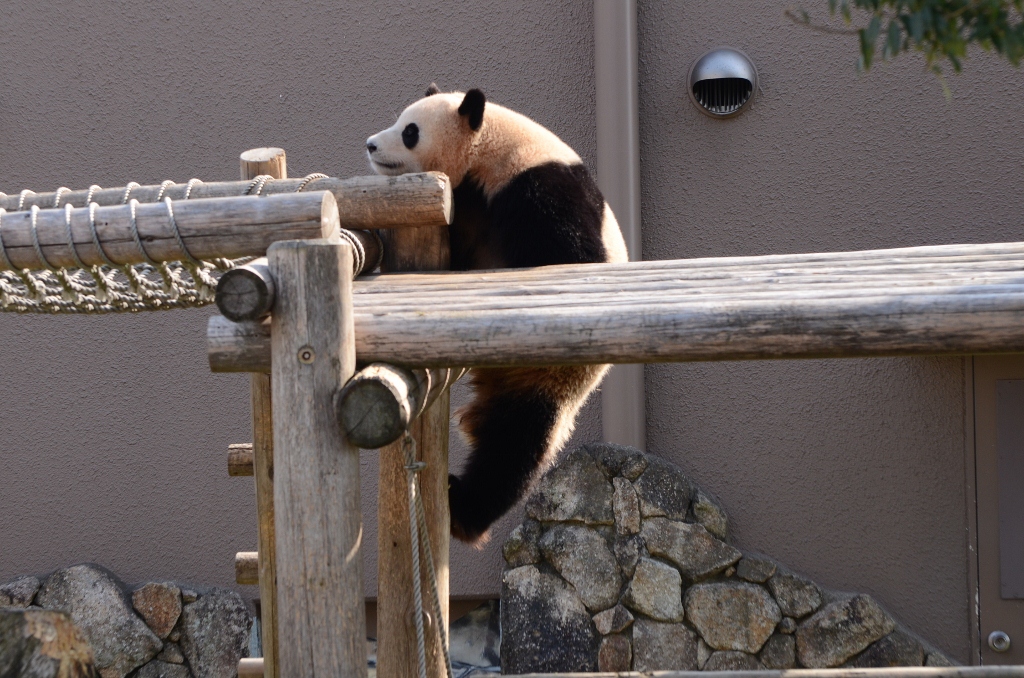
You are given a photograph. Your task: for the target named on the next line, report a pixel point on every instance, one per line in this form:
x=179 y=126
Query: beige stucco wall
x=113 y=431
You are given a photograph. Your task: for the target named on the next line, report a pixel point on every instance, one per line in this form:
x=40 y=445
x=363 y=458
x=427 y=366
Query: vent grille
x=722 y=96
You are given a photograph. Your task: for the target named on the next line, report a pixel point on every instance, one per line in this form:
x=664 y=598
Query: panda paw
x=463 y=528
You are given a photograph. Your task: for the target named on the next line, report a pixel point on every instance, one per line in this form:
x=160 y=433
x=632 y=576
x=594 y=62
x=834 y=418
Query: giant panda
x=522 y=198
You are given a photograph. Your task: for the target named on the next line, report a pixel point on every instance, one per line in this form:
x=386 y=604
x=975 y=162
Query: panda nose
x=370 y=146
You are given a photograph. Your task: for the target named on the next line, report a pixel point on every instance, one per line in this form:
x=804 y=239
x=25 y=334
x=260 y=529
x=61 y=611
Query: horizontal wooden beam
x=240 y=456
x=408 y=200
x=247 y=569
x=211 y=228
x=913 y=301
x=380 y=402
x=253 y=668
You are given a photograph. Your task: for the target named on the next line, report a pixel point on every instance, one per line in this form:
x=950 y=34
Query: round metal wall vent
x=722 y=82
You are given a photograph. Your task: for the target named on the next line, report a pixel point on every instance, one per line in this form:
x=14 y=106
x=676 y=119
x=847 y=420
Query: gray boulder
x=19 y=592
x=896 y=649
x=797 y=597
x=613 y=621
x=545 y=626
x=779 y=652
x=663 y=491
x=159 y=605
x=732 y=615
x=754 y=569
x=159 y=669
x=96 y=602
x=696 y=553
x=627 y=553
x=656 y=591
x=574 y=490
x=618 y=460
x=215 y=633
x=710 y=515
x=731 y=660
x=521 y=547
x=626 y=507
x=841 y=630
x=615 y=654
x=663 y=647
x=583 y=558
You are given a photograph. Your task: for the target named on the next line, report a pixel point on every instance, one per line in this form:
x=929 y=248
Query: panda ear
x=432 y=90
x=472 y=108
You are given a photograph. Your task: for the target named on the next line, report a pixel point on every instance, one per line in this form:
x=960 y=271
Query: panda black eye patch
x=410 y=135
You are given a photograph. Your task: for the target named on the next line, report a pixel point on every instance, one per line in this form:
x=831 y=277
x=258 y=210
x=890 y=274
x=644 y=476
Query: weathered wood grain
x=407 y=250
x=240 y=459
x=221 y=227
x=912 y=301
x=273 y=163
x=405 y=201
x=380 y=402
x=247 y=568
x=320 y=607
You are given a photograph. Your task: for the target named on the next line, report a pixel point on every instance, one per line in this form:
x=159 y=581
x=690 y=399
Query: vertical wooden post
x=412 y=249
x=270 y=161
x=320 y=604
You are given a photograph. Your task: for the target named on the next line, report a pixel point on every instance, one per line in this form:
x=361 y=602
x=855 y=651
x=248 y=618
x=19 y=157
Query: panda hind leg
x=517 y=422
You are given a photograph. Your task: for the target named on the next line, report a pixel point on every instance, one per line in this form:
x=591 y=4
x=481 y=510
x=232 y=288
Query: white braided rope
x=112 y=287
x=420 y=539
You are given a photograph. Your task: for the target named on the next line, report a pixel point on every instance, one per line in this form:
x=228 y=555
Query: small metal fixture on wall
x=722 y=82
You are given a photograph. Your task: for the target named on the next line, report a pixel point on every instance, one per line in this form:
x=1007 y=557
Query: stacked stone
x=158 y=630
x=622 y=564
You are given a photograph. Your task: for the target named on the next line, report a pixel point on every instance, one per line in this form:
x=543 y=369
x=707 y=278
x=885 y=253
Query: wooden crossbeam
x=952 y=299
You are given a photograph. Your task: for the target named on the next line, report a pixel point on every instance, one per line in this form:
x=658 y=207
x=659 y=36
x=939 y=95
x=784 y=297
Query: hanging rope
x=421 y=542
x=112 y=287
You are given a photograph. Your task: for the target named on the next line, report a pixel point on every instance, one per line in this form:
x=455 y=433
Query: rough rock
x=159 y=669
x=545 y=626
x=754 y=569
x=779 y=652
x=703 y=652
x=583 y=558
x=42 y=644
x=613 y=621
x=96 y=603
x=626 y=507
x=663 y=647
x=627 y=553
x=787 y=625
x=171 y=654
x=896 y=649
x=159 y=605
x=574 y=490
x=710 y=515
x=615 y=654
x=656 y=591
x=797 y=597
x=731 y=660
x=215 y=633
x=841 y=630
x=696 y=553
x=938 y=659
x=475 y=637
x=19 y=592
x=732 y=615
x=663 y=491
x=521 y=547
x=189 y=596
x=618 y=460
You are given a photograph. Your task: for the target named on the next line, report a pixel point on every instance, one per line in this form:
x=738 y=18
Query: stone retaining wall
x=623 y=564
x=157 y=630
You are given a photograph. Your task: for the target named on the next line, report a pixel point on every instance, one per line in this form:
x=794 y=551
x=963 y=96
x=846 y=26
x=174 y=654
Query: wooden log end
x=372 y=412
x=250 y=667
x=247 y=568
x=246 y=292
x=240 y=459
x=264 y=161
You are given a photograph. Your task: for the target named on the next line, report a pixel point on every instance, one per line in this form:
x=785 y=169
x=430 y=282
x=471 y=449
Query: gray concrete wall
x=852 y=472
x=114 y=433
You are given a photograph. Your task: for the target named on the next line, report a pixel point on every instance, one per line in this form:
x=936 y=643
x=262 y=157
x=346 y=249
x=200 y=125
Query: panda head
x=435 y=134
